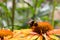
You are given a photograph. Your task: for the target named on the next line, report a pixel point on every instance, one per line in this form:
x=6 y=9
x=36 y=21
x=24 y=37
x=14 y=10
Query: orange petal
x=55 y=31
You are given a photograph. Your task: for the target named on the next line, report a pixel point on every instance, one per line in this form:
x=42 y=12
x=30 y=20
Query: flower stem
x=35 y=7
x=13 y=13
x=53 y=12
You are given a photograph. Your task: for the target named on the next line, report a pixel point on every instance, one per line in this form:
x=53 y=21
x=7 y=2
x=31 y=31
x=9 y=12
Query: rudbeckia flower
x=4 y=33
x=45 y=30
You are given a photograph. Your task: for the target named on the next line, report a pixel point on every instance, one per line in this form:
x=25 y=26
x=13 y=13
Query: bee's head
x=32 y=23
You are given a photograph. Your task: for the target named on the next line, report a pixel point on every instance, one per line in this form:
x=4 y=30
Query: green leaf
x=4 y=7
x=39 y=3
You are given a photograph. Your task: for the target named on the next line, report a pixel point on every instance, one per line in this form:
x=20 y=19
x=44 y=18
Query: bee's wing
x=38 y=19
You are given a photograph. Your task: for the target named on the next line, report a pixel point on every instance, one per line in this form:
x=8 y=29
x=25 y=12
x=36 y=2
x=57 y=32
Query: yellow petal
x=34 y=37
x=40 y=38
x=54 y=37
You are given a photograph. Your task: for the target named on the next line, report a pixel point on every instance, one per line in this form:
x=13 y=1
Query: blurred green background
x=14 y=14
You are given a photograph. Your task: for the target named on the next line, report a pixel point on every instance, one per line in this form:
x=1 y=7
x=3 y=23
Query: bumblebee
x=40 y=27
